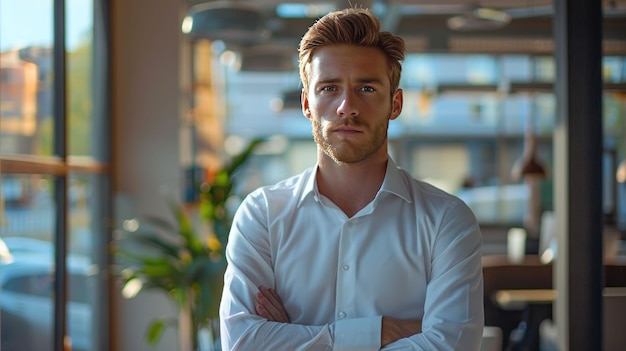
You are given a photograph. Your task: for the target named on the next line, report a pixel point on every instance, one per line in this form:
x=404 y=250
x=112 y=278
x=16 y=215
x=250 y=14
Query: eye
x=368 y=89
x=327 y=88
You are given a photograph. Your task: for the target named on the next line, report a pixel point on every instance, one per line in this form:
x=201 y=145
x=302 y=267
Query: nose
x=348 y=106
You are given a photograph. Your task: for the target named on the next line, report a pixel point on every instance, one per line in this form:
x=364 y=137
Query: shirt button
x=342 y=314
x=345 y=267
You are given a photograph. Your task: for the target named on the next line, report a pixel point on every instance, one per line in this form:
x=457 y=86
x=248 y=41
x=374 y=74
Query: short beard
x=350 y=153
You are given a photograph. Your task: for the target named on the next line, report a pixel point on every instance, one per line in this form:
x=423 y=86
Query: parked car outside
x=27 y=303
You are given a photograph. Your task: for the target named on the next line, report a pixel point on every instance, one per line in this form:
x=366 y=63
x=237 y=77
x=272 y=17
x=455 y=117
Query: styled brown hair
x=354 y=26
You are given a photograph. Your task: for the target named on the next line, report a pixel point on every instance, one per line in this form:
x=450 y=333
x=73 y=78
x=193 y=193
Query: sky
x=29 y=22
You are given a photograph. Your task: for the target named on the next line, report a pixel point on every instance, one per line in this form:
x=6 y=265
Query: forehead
x=338 y=61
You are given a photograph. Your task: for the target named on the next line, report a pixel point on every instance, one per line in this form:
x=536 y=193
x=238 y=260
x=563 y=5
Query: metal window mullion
x=578 y=133
x=60 y=180
x=102 y=209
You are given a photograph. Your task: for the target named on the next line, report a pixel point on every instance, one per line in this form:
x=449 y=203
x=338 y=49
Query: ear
x=396 y=104
x=304 y=100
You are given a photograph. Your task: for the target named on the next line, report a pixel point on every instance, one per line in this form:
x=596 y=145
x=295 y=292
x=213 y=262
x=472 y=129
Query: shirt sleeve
x=453 y=310
x=249 y=266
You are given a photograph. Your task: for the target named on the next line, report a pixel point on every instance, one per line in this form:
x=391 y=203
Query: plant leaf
x=241 y=158
x=186 y=230
x=216 y=285
x=155 y=331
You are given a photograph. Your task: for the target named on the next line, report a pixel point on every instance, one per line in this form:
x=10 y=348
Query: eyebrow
x=375 y=81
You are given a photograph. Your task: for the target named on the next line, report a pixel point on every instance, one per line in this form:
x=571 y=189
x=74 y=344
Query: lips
x=347 y=130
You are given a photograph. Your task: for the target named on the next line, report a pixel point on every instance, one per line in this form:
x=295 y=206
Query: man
x=352 y=254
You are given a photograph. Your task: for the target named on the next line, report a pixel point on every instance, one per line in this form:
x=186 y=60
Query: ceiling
x=424 y=26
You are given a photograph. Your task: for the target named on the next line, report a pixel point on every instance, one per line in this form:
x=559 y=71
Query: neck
x=351 y=186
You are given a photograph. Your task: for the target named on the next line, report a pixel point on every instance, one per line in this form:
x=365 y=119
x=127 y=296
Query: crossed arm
x=270 y=306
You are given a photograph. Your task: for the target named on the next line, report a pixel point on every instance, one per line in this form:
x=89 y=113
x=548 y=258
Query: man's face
x=349 y=102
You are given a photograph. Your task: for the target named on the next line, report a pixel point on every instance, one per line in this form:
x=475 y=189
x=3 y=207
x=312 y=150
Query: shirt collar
x=394 y=183
x=309 y=188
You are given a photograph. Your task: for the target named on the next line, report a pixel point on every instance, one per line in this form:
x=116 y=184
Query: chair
x=492 y=339
x=614 y=317
x=500 y=274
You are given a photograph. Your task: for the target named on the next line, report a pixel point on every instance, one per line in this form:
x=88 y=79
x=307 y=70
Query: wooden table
x=517 y=299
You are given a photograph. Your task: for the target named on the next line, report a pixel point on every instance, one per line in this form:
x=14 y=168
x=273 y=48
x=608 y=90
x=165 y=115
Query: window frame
x=61 y=166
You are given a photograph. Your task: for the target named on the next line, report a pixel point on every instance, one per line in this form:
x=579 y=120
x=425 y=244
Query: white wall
x=146 y=51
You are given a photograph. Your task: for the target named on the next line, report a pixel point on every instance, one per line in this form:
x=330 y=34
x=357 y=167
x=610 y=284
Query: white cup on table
x=516 y=245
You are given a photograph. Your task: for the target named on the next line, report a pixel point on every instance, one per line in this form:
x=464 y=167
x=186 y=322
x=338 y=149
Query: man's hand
x=396 y=329
x=270 y=306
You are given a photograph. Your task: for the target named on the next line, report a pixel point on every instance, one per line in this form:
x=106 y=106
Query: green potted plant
x=183 y=256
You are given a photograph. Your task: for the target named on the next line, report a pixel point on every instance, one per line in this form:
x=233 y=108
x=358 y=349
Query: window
x=54 y=172
x=39 y=285
x=463 y=126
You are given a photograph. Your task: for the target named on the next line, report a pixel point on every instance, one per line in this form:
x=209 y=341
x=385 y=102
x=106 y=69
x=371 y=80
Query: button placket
x=345 y=272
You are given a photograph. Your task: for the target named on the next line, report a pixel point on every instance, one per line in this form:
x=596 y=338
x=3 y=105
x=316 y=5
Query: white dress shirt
x=414 y=252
